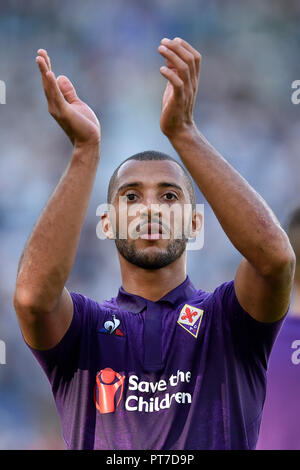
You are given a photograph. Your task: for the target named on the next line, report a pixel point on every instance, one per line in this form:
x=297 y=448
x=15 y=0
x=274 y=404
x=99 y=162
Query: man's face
x=153 y=208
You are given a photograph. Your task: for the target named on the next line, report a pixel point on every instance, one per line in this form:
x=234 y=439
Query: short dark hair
x=152 y=155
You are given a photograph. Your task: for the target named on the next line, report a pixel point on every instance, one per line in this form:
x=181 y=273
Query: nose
x=150 y=209
x=150 y=198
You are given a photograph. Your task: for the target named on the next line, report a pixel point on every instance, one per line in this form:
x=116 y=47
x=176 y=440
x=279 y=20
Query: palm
x=73 y=115
x=168 y=113
x=81 y=122
x=83 y=109
x=167 y=96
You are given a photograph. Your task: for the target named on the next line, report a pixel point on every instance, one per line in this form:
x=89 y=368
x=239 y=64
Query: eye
x=131 y=197
x=170 y=196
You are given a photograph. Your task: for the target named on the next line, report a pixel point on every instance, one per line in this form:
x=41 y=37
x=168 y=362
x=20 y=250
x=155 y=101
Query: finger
x=67 y=89
x=187 y=46
x=44 y=69
x=191 y=49
x=43 y=53
x=53 y=94
x=185 y=55
x=181 y=67
x=42 y=65
x=56 y=99
x=174 y=79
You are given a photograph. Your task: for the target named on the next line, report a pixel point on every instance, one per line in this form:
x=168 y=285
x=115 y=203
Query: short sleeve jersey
x=185 y=372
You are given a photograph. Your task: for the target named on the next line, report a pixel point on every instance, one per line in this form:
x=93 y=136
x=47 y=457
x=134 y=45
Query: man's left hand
x=182 y=71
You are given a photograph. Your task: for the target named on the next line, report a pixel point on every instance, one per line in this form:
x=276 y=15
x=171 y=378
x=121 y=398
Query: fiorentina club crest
x=190 y=319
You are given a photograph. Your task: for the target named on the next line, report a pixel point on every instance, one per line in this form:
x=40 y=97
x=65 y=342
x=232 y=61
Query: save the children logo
x=109 y=390
x=190 y=319
x=108 y=382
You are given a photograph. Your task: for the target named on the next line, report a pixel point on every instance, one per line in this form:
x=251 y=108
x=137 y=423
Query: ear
x=107 y=226
x=197 y=223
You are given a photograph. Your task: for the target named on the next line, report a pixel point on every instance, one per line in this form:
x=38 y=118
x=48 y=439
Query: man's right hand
x=74 y=116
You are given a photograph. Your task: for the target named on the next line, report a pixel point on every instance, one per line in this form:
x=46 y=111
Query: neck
x=295 y=305
x=152 y=284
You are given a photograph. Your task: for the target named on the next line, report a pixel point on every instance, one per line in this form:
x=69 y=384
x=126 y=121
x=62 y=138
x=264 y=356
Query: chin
x=149 y=243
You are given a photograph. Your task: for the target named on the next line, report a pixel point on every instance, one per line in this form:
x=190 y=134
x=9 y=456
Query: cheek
x=127 y=224
x=174 y=219
x=122 y=223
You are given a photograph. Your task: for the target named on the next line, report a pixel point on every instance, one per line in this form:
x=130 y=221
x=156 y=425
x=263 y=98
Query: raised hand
x=73 y=115
x=182 y=71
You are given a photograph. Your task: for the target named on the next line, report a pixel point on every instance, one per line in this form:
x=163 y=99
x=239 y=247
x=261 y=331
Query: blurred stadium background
x=109 y=50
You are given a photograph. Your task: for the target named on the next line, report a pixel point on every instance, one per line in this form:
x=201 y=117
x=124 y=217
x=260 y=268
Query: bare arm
x=43 y=305
x=264 y=278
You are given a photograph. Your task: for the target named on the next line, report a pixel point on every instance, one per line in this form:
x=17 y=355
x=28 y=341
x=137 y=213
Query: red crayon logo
x=108 y=383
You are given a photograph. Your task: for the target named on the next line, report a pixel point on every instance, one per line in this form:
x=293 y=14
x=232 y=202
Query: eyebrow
x=136 y=184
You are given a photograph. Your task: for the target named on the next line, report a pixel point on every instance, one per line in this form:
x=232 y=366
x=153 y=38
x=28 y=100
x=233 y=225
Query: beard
x=142 y=259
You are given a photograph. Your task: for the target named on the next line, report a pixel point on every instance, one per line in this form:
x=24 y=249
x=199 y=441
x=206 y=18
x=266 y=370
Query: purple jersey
x=281 y=416
x=185 y=372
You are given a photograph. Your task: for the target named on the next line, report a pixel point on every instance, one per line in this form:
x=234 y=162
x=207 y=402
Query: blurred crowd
x=250 y=56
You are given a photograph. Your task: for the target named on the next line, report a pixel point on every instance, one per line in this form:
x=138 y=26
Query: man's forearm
x=244 y=215
x=49 y=253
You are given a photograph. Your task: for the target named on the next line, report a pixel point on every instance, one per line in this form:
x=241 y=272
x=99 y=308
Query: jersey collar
x=136 y=304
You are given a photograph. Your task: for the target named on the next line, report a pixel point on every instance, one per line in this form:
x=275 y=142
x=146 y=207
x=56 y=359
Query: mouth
x=151 y=231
